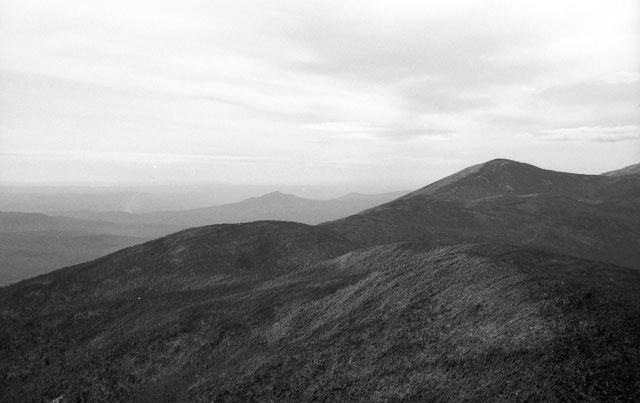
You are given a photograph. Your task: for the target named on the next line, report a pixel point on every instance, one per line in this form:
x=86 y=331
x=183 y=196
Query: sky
x=394 y=94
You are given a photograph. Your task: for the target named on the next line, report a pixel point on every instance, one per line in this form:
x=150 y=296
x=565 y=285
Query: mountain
x=630 y=170
x=502 y=177
x=271 y=206
x=36 y=243
x=503 y=201
x=504 y=282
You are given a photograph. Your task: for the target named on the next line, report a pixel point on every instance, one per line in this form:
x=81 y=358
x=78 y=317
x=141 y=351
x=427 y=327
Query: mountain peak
x=276 y=195
x=501 y=177
x=502 y=163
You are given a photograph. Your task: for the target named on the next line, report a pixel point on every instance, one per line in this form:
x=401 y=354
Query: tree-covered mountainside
x=532 y=294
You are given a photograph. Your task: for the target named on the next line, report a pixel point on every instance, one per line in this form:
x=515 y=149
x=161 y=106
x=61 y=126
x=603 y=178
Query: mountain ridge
x=628 y=170
x=504 y=177
x=519 y=296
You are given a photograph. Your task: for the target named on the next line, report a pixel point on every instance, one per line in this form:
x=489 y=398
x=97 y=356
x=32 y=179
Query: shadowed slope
x=187 y=260
x=395 y=322
x=505 y=177
x=509 y=202
x=630 y=170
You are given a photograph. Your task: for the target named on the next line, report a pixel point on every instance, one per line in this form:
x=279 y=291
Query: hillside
x=505 y=201
x=457 y=293
x=629 y=170
x=396 y=322
x=34 y=243
x=505 y=177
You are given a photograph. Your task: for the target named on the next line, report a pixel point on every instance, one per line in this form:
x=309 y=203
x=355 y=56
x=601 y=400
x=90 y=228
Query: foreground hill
x=397 y=322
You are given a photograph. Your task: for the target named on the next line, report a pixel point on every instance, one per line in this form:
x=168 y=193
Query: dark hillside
x=187 y=260
x=590 y=216
x=505 y=177
x=630 y=170
x=553 y=223
x=391 y=323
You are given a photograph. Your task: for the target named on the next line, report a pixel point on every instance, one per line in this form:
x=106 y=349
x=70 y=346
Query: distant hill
x=630 y=170
x=36 y=243
x=504 y=282
x=25 y=222
x=28 y=254
x=32 y=243
x=271 y=206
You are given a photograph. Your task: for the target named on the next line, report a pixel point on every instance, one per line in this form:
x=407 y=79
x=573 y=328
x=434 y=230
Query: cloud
x=597 y=134
x=331 y=80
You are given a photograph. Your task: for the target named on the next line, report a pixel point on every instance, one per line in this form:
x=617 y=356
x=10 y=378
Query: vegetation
x=393 y=323
x=348 y=310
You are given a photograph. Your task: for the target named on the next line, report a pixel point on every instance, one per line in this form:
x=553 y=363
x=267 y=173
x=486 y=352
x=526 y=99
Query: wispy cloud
x=599 y=134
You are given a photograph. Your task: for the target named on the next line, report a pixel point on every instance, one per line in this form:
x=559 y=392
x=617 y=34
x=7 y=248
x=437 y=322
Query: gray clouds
x=400 y=89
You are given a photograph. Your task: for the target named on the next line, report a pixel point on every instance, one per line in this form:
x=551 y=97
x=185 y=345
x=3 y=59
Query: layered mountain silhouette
x=503 y=282
x=271 y=206
x=35 y=243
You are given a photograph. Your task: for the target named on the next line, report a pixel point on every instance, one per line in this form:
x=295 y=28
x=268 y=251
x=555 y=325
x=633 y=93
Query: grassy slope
x=551 y=223
x=395 y=322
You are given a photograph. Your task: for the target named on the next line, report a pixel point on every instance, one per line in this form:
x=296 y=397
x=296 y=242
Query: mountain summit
x=505 y=201
x=506 y=177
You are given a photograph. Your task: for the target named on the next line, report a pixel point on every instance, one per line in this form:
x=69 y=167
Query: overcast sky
x=398 y=93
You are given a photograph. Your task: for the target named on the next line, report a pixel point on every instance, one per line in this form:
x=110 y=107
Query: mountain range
x=503 y=282
x=35 y=243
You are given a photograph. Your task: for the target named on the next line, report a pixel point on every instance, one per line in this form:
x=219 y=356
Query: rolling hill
x=504 y=282
x=34 y=243
x=630 y=170
x=271 y=206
